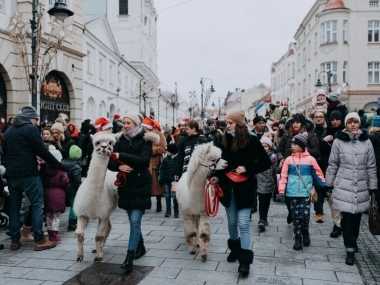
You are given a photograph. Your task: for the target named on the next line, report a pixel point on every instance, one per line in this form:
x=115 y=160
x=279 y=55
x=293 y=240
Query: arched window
x=102 y=109
x=90 y=108
x=112 y=111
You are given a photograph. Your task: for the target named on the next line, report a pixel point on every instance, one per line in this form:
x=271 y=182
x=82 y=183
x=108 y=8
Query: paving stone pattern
x=275 y=260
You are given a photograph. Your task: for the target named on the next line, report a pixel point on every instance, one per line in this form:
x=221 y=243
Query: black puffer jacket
x=254 y=158
x=326 y=146
x=168 y=169
x=375 y=140
x=186 y=149
x=284 y=148
x=73 y=168
x=23 y=143
x=135 y=153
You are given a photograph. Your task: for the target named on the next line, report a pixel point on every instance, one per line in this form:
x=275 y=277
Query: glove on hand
x=328 y=189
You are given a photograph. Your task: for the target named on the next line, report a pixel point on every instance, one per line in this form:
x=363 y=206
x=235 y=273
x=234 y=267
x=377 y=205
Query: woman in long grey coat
x=352 y=175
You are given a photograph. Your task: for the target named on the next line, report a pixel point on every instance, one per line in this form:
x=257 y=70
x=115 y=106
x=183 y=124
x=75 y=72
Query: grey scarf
x=133 y=133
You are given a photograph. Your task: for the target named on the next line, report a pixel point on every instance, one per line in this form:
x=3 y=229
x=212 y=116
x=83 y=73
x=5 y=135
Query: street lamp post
x=329 y=75
x=212 y=90
x=213 y=104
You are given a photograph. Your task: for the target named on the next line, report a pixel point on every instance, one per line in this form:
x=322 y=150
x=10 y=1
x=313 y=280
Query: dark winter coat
x=66 y=144
x=168 y=169
x=255 y=160
x=326 y=146
x=136 y=193
x=181 y=138
x=375 y=140
x=55 y=183
x=23 y=143
x=284 y=148
x=186 y=149
x=83 y=140
x=352 y=171
x=73 y=168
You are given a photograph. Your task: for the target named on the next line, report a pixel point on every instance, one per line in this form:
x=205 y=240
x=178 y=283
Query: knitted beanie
x=29 y=111
x=258 y=119
x=332 y=97
x=172 y=148
x=116 y=116
x=75 y=152
x=135 y=117
x=301 y=140
x=336 y=114
x=352 y=115
x=282 y=121
x=237 y=117
x=267 y=141
x=321 y=92
x=57 y=127
x=376 y=121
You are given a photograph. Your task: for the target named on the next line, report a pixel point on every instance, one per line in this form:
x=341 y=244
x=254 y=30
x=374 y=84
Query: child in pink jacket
x=319 y=103
x=295 y=190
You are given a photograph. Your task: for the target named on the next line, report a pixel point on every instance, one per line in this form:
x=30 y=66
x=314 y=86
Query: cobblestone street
x=275 y=261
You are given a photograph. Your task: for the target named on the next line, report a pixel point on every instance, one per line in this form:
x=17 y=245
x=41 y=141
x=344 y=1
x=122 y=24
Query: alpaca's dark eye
x=110 y=143
x=97 y=143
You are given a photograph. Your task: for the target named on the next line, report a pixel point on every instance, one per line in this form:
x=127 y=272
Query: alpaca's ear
x=209 y=147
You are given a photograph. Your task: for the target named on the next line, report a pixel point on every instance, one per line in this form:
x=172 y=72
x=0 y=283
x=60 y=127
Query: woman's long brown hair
x=240 y=140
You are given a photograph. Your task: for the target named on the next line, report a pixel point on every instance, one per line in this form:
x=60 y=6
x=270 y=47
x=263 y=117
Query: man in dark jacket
x=216 y=136
x=333 y=103
x=319 y=121
x=186 y=149
x=23 y=143
x=328 y=137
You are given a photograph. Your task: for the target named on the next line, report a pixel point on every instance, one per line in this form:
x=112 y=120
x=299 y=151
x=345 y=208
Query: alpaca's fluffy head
x=103 y=143
x=208 y=156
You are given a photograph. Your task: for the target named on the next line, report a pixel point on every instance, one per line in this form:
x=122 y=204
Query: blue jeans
x=32 y=186
x=239 y=220
x=168 y=198
x=135 y=228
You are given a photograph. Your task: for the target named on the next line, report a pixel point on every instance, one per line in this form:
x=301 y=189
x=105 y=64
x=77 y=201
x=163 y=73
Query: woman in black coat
x=245 y=156
x=375 y=140
x=131 y=158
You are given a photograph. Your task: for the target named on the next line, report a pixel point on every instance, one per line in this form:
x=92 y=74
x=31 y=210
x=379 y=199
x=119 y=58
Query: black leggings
x=264 y=203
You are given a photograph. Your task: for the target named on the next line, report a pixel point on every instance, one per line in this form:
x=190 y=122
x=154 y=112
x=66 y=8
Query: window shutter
x=123 y=7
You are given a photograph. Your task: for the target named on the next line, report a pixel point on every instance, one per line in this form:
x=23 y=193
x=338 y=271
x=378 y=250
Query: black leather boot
x=234 y=246
x=159 y=206
x=140 y=250
x=306 y=237
x=336 y=232
x=350 y=259
x=245 y=257
x=128 y=262
x=297 y=243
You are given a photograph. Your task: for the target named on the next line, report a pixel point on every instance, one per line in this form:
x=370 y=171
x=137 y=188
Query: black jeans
x=350 y=227
x=264 y=203
x=318 y=207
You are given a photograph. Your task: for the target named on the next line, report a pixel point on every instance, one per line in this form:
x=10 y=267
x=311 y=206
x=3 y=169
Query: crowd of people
x=330 y=150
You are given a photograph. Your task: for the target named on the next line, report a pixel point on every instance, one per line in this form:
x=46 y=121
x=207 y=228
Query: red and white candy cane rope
x=212 y=195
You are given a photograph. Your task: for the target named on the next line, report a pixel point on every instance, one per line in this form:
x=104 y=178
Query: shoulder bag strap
x=299 y=174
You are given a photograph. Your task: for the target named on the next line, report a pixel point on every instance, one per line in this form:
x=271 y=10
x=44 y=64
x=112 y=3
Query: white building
x=110 y=83
x=243 y=99
x=341 y=37
x=283 y=79
x=61 y=93
x=134 y=25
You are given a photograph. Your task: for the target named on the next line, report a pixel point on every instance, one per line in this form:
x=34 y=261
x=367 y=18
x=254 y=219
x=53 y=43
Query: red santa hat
x=102 y=124
x=148 y=123
x=285 y=105
x=116 y=116
x=184 y=121
x=278 y=103
x=157 y=125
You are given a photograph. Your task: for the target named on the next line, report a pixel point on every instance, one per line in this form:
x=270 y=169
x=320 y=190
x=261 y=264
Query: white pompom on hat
x=56 y=153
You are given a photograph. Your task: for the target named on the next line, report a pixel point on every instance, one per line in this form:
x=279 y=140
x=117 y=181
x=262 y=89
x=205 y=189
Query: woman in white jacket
x=352 y=175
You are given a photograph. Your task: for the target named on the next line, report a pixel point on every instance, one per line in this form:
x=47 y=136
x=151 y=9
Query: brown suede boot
x=15 y=245
x=44 y=244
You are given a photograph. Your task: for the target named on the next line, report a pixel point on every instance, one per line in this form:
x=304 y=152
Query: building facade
x=110 y=83
x=340 y=37
x=283 y=73
x=60 y=92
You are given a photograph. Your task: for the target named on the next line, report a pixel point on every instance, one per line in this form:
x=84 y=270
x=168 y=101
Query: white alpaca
x=97 y=196
x=190 y=195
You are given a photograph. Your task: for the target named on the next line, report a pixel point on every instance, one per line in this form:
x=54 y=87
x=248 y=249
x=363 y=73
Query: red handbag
x=233 y=176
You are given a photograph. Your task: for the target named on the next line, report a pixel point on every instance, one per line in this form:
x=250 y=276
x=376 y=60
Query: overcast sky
x=232 y=42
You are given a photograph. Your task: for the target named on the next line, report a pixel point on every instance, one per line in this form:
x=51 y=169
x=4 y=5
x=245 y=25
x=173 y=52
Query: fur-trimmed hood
x=153 y=137
x=344 y=136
